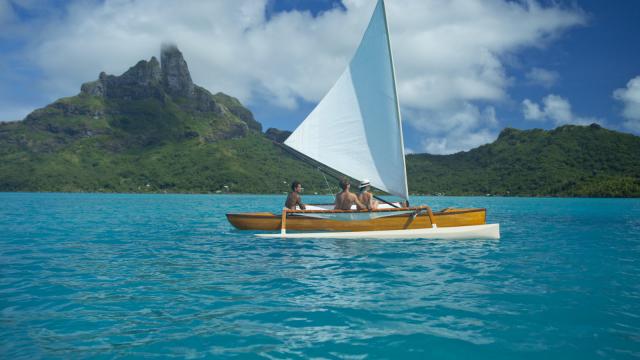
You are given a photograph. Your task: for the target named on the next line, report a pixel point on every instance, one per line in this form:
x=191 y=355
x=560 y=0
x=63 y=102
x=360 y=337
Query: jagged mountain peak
x=150 y=103
x=168 y=78
x=143 y=80
x=175 y=72
x=149 y=79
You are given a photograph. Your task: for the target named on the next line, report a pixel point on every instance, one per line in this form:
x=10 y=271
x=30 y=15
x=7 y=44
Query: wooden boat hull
x=401 y=221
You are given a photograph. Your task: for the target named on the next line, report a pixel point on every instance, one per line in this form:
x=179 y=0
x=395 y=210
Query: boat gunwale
x=302 y=212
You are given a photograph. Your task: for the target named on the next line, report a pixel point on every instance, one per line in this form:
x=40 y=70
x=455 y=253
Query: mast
x=395 y=91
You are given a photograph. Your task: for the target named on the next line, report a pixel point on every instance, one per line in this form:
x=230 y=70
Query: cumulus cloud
x=630 y=98
x=449 y=58
x=556 y=109
x=229 y=46
x=448 y=55
x=453 y=51
x=532 y=110
x=461 y=127
x=542 y=77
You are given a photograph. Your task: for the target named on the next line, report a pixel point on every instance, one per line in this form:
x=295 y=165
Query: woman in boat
x=365 y=196
x=294 y=197
x=346 y=199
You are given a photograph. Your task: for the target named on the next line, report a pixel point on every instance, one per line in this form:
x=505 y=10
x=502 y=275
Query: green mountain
x=149 y=130
x=568 y=161
x=152 y=129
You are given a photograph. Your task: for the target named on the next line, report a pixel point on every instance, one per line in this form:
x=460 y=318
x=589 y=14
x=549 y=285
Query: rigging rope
x=325 y=181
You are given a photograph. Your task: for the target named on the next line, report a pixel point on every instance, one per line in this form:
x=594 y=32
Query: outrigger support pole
x=433 y=223
x=429 y=213
x=283 y=223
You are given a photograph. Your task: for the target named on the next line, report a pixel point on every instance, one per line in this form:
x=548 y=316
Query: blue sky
x=466 y=68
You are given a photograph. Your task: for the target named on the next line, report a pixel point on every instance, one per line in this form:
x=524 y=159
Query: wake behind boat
x=356 y=130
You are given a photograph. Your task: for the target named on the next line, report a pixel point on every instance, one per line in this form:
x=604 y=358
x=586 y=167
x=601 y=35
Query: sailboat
x=356 y=130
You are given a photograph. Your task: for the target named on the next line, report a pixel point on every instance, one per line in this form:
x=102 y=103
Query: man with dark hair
x=345 y=199
x=294 y=198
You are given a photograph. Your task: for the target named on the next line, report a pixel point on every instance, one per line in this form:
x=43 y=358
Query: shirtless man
x=365 y=196
x=294 y=197
x=345 y=199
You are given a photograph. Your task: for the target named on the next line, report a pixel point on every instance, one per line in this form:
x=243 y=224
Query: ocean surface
x=160 y=276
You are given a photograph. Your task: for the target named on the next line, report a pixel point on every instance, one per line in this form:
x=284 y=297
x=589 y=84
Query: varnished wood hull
x=273 y=222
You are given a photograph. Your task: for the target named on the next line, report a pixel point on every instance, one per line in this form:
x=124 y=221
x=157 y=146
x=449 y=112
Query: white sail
x=356 y=128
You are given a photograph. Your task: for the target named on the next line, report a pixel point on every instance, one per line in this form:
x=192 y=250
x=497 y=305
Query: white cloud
x=542 y=77
x=229 y=46
x=448 y=54
x=556 y=109
x=532 y=110
x=452 y=50
x=461 y=127
x=630 y=98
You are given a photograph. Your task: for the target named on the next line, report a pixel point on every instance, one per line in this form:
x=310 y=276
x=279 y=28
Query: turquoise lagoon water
x=91 y=275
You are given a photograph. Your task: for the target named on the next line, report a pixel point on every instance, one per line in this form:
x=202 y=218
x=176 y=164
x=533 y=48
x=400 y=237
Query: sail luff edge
x=395 y=90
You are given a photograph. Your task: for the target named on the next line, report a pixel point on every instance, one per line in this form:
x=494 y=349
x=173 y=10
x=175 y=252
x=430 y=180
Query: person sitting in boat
x=365 y=196
x=345 y=199
x=294 y=197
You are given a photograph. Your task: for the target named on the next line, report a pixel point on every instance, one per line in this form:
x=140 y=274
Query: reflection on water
x=129 y=275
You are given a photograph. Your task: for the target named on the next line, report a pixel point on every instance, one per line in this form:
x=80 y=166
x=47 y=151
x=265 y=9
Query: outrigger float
x=356 y=130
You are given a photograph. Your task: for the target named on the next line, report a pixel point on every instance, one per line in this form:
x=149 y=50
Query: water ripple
x=87 y=275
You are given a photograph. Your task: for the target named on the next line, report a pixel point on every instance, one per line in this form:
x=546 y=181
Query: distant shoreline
x=310 y=195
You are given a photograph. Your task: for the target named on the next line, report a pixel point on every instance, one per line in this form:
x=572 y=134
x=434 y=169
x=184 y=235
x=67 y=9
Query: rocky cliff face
x=153 y=79
x=170 y=77
x=176 y=78
x=153 y=101
x=142 y=81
